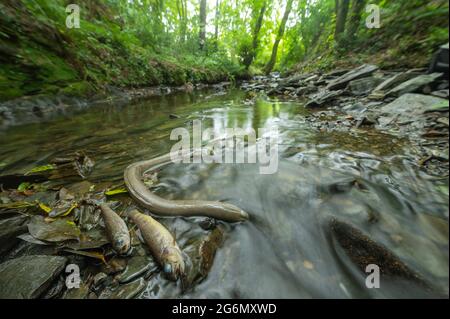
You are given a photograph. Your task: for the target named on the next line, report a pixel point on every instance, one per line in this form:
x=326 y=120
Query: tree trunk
x=181 y=6
x=341 y=18
x=273 y=59
x=202 y=35
x=216 y=33
x=355 y=18
x=256 y=30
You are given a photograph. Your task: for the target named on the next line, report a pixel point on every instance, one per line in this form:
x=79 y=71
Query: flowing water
x=289 y=248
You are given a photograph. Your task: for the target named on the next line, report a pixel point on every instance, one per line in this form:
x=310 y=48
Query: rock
x=312 y=78
x=409 y=107
x=78 y=293
x=294 y=80
x=360 y=72
x=380 y=91
x=9 y=229
x=59 y=230
x=137 y=266
x=306 y=90
x=336 y=73
x=13 y=181
x=363 y=86
x=202 y=253
x=114 y=266
x=414 y=84
x=443 y=120
x=443 y=86
x=99 y=279
x=366 y=121
x=56 y=289
x=28 y=277
x=323 y=97
x=364 y=251
x=127 y=291
x=441 y=93
x=440 y=61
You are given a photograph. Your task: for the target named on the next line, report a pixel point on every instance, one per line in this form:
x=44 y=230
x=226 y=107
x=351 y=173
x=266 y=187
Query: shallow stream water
x=289 y=248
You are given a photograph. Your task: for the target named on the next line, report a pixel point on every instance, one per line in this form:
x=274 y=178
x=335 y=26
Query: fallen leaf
x=116 y=191
x=92 y=254
x=45 y=208
x=58 y=230
x=39 y=169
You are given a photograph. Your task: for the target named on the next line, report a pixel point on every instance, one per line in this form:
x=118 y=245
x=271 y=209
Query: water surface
x=365 y=178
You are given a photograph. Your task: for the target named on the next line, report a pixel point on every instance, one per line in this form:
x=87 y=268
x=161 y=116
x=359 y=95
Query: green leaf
x=116 y=191
x=40 y=169
x=23 y=186
x=45 y=208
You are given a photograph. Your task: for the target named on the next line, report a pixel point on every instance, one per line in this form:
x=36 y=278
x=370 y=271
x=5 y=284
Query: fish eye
x=119 y=242
x=167 y=268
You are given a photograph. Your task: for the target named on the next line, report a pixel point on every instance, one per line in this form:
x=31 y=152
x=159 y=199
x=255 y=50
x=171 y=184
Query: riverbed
x=340 y=196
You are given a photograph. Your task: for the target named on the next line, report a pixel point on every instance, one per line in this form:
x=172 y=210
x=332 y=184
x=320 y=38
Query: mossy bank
x=39 y=54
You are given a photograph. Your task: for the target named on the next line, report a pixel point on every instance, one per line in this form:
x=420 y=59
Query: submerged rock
x=363 y=251
x=28 y=277
x=202 y=253
x=360 y=72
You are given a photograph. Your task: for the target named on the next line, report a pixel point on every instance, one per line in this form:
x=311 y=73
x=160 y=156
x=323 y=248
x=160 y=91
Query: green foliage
x=152 y=42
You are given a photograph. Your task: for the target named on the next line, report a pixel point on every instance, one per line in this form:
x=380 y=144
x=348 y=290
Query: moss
x=40 y=55
x=81 y=88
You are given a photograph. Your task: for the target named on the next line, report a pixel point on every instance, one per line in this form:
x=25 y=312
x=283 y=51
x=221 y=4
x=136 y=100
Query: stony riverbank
x=407 y=103
x=32 y=109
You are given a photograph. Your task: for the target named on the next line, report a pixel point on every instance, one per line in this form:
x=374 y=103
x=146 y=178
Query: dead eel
x=161 y=243
x=171 y=208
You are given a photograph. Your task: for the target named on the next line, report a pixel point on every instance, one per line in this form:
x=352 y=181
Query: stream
x=340 y=199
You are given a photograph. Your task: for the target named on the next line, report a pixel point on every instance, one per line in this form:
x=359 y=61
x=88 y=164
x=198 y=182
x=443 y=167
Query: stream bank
x=410 y=103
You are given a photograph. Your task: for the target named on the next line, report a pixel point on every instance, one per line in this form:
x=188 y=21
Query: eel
x=171 y=208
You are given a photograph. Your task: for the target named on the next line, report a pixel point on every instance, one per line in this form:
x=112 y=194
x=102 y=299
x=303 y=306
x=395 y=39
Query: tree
x=217 y=18
x=256 y=31
x=182 y=17
x=270 y=65
x=355 y=18
x=249 y=47
x=342 y=7
x=202 y=35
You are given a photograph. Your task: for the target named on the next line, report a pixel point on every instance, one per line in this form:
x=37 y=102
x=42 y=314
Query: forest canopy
x=150 y=42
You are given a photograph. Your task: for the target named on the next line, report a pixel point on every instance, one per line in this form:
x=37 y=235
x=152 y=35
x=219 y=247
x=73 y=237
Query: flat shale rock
x=28 y=277
x=137 y=266
x=414 y=84
x=360 y=72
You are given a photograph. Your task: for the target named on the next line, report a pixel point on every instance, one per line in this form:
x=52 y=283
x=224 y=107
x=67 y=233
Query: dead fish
x=162 y=245
x=116 y=229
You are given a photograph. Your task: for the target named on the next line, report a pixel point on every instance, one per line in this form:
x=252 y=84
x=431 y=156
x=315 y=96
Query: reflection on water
x=288 y=249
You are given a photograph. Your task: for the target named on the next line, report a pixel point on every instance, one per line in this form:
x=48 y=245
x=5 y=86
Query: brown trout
x=162 y=245
x=116 y=230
